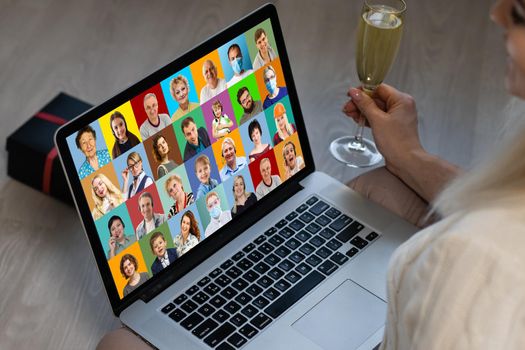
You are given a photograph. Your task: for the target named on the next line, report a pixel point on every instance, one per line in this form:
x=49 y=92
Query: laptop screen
x=166 y=169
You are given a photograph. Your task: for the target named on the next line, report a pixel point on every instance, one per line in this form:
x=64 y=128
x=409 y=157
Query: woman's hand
x=392 y=116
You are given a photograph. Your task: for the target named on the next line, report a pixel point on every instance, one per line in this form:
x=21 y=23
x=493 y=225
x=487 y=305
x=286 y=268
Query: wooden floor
x=452 y=60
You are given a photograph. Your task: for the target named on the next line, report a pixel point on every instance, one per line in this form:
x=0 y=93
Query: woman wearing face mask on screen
x=275 y=93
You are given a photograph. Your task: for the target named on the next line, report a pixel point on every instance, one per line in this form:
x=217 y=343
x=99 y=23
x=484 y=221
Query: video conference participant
x=140 y=179
x=221 y=123
x=255 y=133
x=189 y=235
x=250 y=107
x=217 y=216
x=150 y=220
x=275 y=93
x=203 y=173
x=214 y=84
x=86 y=141
x=284 y=128
x=265 y=53
x=175 y=190
x=292 y=162
x=164 y=256
x=233 y=164
x=197 y=140
x=118 y=240
x=161 y=150
x=106 y=196
x=124 y=139
x=235 y=59
x=128 y=269
x=269 y=181
x=242 y=198
x=155 y=122
x=180 y=90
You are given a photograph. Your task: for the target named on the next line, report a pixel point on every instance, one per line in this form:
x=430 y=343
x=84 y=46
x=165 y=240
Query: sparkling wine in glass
x=378 y=37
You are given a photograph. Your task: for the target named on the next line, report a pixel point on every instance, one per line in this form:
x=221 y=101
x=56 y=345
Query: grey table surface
x=451 y=60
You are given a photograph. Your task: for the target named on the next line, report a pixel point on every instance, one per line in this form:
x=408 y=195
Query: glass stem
x=360 y=129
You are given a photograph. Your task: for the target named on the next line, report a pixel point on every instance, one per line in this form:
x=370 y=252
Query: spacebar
x=293 y=295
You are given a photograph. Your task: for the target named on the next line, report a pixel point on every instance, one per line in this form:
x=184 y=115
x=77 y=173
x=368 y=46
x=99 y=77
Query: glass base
x=354 y=154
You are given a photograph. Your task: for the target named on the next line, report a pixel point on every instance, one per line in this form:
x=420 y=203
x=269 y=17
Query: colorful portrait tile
x=258 y=126
x=191 y=165
x=137 y=103
x=270 y=39
x=198 y=73
x=246 y=59
x=203 y=210
x=167 y=201
x=255 y=168
x=137 y=218
x=263 y=75
x=227 y=114
x=228 y=185
x=104 y=232
x=201 y=130
x=180 y=88
x=114 y=266
x=288 y=123
x=110 y=129
x=102 y=191
x=236 y=92
x=155 y=145
x=289 y=156
x=217 y=147
x=145 y=245
x=121 y=167
x=175 y=227
x=92 y=140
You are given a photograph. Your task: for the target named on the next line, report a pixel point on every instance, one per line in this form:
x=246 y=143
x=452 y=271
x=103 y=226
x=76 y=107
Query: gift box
x=32 y=156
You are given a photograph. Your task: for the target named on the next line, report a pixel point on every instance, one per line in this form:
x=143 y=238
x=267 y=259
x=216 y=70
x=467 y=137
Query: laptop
x=209 y=225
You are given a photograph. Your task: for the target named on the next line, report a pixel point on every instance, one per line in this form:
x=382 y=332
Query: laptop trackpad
x=344 y=319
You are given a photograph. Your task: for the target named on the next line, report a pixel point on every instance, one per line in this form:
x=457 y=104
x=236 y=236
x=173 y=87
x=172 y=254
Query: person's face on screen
x=210 y=73
x=203 y=172
x=217 y=111
x=117 y=229
x=119 y=129
x=234 y=54
x=246 y=101
x=129 y=268
x=212 y=202
x=151 y=106
x=88 y=144
x=185 y=225
x=174 y=188
x=266 y=172
x=281 y=121
x=181 y=92
x=191 y=134
x=135 y=167
x=256 y=136
x=228 y=152
x=100 y=187
x=262 y=43
x=238 y=187
x=159 y=246
x=162 y=146
x=146 y=208
x=289 y=155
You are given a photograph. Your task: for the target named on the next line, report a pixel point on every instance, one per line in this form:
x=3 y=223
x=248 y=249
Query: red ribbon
x=50 y=158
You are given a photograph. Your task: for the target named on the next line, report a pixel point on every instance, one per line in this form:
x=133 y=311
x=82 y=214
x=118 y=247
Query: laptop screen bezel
x=229 y=231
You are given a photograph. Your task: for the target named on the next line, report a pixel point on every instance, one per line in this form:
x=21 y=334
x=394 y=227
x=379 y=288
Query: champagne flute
x=378 y=37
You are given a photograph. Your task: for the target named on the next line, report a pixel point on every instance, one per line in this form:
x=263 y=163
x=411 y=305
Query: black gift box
x=32 y=145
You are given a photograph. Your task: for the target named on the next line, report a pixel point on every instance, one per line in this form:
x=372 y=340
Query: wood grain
x=451 y=59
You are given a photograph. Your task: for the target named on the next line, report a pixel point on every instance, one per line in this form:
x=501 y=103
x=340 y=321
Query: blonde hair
x=500 y=177
x=114 y=195
x=235 y=199
x=173 y=177
x=177 y=80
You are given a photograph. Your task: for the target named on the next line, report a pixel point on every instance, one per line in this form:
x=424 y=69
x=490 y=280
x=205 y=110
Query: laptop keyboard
x=248 y=291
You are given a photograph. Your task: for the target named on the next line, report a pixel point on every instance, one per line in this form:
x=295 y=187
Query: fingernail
x=356 y=95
